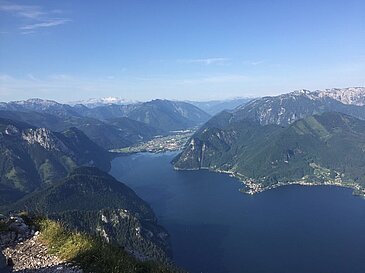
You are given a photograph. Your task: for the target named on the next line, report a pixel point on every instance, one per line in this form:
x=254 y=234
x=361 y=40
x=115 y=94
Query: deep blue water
x=215 y=228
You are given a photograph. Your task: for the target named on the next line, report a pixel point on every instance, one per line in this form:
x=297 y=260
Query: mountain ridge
x=163 y=115
x=286 y=108
x=113 y=133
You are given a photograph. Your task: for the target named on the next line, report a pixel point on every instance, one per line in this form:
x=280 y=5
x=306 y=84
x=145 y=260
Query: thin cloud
x=257 y=63
x=51 y=23
x=26 y=11
x=32 y=77
x=28 y=32
x=61 y=77
x=206 y=61
x=5 y=77
x=254 y=63
x=33 y=17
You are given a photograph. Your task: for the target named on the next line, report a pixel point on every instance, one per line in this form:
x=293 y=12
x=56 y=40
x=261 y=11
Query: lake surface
x=215 y=228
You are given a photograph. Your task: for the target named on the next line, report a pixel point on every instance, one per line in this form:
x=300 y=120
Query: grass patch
x=91 y=253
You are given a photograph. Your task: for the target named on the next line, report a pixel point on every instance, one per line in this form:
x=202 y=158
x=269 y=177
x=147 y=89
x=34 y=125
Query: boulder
x=19 y=227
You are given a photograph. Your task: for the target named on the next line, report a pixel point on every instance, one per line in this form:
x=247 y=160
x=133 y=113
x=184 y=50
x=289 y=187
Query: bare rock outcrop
x=23 y=251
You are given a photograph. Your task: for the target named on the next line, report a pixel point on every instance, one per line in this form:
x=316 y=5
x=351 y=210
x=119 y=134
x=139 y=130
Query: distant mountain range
x=164 y=115
x=213 y=107
x=94 y=102
x=39 y=105
x=110 y=126
x=287 y=108
x=317 y=145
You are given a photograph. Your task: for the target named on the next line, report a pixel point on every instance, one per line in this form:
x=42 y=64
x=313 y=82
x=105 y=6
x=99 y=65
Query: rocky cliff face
x=45 y=138
x=136 y=232
x=351 y=95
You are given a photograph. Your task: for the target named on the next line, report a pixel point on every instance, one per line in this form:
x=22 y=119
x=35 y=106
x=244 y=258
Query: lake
x=215 y=228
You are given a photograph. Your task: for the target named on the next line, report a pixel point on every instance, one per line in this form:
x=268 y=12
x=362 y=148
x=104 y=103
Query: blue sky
x=72 y=49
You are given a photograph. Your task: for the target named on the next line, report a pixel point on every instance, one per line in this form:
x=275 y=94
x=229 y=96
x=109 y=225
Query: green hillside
x=31 y=158
x=327 y=148
x=94 y=202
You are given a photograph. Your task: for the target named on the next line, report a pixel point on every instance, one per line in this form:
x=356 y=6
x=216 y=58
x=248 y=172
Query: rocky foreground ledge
x=23 y=251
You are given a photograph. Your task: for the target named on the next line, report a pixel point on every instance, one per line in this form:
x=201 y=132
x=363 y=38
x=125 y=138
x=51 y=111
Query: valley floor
x=173 y=142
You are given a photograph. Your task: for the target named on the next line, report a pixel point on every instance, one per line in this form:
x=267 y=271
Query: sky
x=183 y=49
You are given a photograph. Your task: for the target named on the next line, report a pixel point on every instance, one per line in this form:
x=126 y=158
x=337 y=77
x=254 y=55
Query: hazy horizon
x=127 y=100
x=89 y=99
x=189 y=50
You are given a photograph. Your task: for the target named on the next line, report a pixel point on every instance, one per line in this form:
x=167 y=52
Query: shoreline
x=252 y=187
